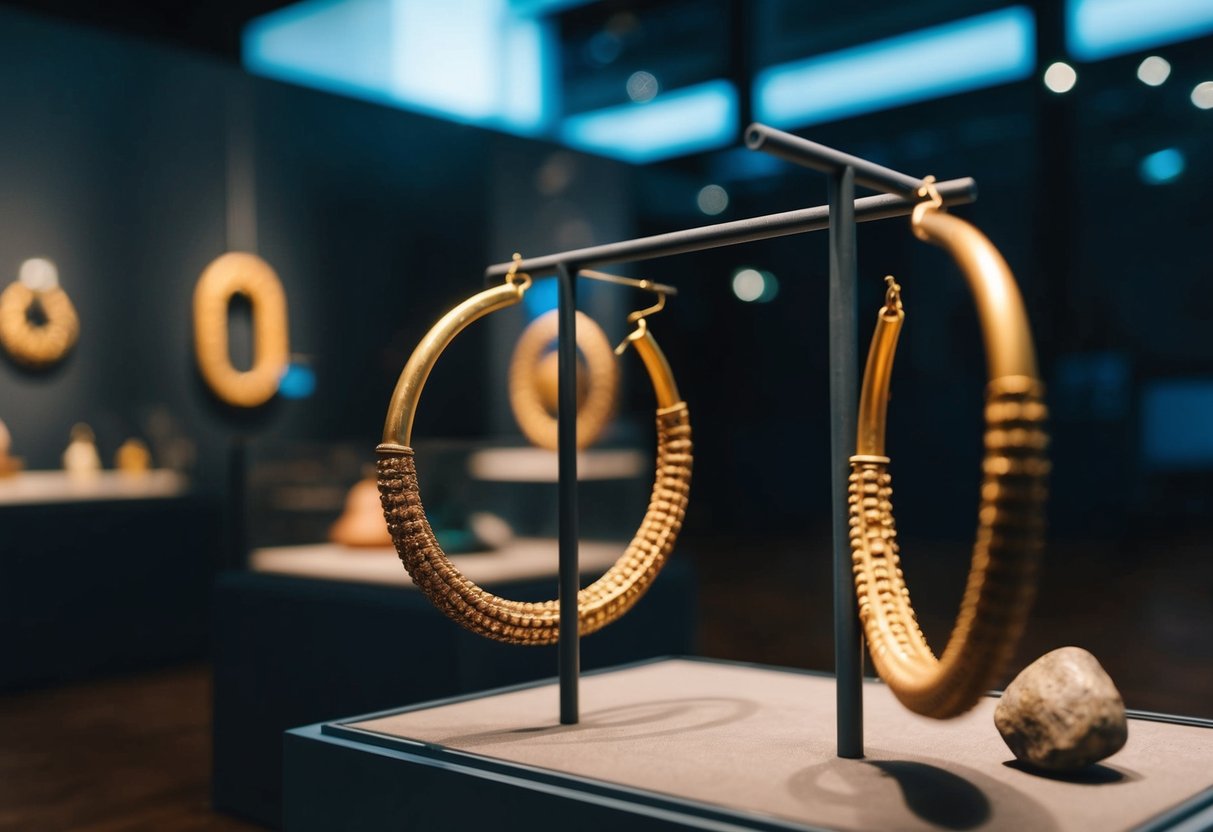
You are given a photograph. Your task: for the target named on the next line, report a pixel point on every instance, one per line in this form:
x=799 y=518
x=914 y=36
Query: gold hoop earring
x=502 y=619
x=240 y=273
x=1010 y=532
x=38 y=345
x=533 y=381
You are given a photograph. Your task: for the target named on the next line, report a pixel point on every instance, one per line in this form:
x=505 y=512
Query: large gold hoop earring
x=37 y=345
x=1010 y=530
x=532 y=381
x=498 y=618
x=240 y=273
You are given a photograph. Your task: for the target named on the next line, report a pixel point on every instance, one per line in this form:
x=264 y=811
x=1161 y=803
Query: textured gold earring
x=1010 y=525
x=37 y=345
x=240 y=273
x=533 y=381
x=519 y=622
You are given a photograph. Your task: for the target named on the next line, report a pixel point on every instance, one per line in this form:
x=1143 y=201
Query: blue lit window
x=1098 y=29
x=970 y=54
x=473 y=61
x=687 y=120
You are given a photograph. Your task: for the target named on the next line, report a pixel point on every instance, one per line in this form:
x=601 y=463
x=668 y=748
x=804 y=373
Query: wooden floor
x=126 y=754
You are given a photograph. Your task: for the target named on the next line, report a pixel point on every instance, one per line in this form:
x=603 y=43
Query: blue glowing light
x=543 y=296
x=687 y=120
x=1098 y=29
x=473 y=61
x=970 y=54
x=1162 y=167
x=298 y=381
x=1177 y=423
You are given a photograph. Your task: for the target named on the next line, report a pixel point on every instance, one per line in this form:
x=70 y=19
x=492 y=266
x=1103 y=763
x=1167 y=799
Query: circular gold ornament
x=501 y=619
x=37 y=345
x=533 y=381
x=241 y=273
x=1010 y=526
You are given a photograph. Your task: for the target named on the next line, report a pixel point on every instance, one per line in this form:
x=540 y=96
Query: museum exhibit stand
x=311 y=633
x=85 y=564
x=679 y=743
x=699 y=744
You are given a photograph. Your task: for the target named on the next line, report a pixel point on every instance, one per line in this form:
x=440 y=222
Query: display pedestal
x=109 y=575
x=690 y=744
x=316 y=632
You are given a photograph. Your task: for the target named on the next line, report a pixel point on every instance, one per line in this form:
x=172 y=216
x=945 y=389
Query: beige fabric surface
x=521 y=559
x=40 y=487
x=762 y=741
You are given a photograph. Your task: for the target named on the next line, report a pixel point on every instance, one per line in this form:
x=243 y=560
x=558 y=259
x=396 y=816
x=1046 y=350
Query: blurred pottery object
x=362 y=524
x=81 y=458
x=9 y=465
x=42 y=344
x=1062 y=712
x=534 y=381
x=133 y=458
x=231 y=274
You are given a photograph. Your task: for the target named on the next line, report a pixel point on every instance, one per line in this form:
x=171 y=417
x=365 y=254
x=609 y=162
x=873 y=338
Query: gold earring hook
x=524 y=282
x=892 y=296
x=928 y=190
x=931 y=199
x=660 y=289
x=638 y=317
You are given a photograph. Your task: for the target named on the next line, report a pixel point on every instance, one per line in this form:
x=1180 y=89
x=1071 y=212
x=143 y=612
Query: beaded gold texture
x=1010 y=530
x=489 y=615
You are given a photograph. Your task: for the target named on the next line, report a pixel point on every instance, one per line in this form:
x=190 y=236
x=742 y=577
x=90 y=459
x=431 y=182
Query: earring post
x=620 y=280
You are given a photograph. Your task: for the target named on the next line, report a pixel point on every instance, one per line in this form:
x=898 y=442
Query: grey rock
x=1062 y=712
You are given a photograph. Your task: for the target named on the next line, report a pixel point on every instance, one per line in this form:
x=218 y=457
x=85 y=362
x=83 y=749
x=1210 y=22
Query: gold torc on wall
x=231 y=274
x=37 y=344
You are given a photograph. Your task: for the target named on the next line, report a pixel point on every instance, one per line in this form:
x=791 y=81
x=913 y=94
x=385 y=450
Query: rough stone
x=1062 y=712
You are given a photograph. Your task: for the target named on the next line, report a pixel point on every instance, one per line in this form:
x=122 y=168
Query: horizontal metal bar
x=828 y=160
x=867 y=209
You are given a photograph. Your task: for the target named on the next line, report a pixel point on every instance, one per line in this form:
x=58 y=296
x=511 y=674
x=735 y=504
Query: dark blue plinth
x=291 y=651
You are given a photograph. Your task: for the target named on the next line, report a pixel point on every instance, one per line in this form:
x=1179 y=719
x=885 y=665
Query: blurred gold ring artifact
x=502 y=619
x=37 y=345
x=530 y=370
x=1010 y=532
x=241 y=273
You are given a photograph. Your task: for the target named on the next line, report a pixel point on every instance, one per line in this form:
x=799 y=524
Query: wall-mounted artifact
x=1062 y=712
x=502 y=619
x=38 y=323
x=9 y=465
x=231 y=274
x=133 y=458
x=533 y=382
x=361 y=525
x=1010 y=533
x=81 y=459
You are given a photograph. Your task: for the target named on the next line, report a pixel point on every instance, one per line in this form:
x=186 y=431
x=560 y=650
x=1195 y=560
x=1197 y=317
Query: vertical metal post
x=844 y=392
x=569 y=647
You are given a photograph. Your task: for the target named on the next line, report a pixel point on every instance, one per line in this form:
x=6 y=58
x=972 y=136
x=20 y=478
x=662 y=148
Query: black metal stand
x=566 y=436
x=840 y=216
x=844 y=370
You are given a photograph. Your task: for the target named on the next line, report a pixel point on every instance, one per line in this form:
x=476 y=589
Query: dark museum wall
x=132 y=166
